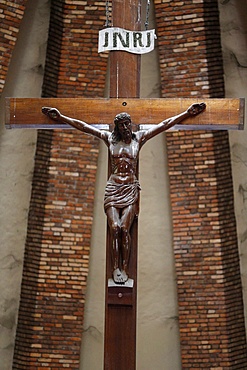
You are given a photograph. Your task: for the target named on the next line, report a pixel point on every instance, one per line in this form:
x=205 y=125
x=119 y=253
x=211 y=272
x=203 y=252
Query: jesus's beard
x=126 y=135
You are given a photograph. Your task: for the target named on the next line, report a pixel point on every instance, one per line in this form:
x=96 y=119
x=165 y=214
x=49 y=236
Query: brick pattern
x=189 y=47
x=59 y=228
x=211 y=318
x=11 y=14
x=61 y=212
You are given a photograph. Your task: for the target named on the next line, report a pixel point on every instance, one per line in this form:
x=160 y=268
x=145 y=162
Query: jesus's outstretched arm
x=55 y=115
x=192 y=111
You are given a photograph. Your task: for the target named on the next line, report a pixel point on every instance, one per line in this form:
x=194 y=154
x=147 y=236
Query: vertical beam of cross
x=125 y=67
x=120 y=302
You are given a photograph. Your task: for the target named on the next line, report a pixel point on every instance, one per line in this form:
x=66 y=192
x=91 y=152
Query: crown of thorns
x=121 y=116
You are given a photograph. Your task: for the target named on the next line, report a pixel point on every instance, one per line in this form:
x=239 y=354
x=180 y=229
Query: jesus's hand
x=196 y=108
x=52 y=113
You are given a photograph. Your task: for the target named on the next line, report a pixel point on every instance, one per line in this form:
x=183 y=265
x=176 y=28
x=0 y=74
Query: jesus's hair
x=116 y=136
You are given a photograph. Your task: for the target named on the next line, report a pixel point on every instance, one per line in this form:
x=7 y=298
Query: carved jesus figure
x=121 y=200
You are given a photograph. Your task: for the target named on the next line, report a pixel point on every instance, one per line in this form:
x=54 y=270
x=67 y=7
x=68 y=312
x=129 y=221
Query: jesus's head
x=123 y=129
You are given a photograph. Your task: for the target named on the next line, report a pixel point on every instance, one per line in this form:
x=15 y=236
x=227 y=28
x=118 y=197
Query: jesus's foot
x=119 y=277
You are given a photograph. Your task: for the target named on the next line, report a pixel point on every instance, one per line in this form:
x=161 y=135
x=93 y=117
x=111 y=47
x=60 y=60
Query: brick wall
x=11 y=14
x=60 y=218
x=57 y=250
x=204 y=231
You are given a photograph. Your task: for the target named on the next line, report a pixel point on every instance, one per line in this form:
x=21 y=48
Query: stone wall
x=234 y=44
x=11 y=14
x=22 y=75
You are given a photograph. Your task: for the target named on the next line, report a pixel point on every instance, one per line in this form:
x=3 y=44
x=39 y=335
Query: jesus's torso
x=124 y=157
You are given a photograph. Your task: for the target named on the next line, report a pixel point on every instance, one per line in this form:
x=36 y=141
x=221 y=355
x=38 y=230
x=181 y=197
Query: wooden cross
x=120 y=304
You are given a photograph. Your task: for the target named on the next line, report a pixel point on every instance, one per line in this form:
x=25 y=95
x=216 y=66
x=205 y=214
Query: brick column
x=210 y=303
x=57 y=251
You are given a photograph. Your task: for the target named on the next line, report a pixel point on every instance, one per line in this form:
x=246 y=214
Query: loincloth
x=121 y=192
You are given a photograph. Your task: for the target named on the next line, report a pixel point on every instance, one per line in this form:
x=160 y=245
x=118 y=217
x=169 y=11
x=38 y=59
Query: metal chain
x=147 y=14
x=107 y=15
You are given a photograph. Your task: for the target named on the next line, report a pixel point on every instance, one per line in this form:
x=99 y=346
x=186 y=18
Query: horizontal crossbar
x=220 y=114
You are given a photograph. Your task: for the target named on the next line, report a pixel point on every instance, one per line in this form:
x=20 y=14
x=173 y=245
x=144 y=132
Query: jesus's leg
x=127 y=218
x=114 y=226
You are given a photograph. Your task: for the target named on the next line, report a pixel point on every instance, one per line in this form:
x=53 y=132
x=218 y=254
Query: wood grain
x=120 y=315
x=226 y=114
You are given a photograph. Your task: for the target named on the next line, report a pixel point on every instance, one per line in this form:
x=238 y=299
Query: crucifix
x=144 y=114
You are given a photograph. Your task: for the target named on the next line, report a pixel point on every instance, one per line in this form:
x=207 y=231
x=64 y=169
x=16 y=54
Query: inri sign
x=137 y=42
